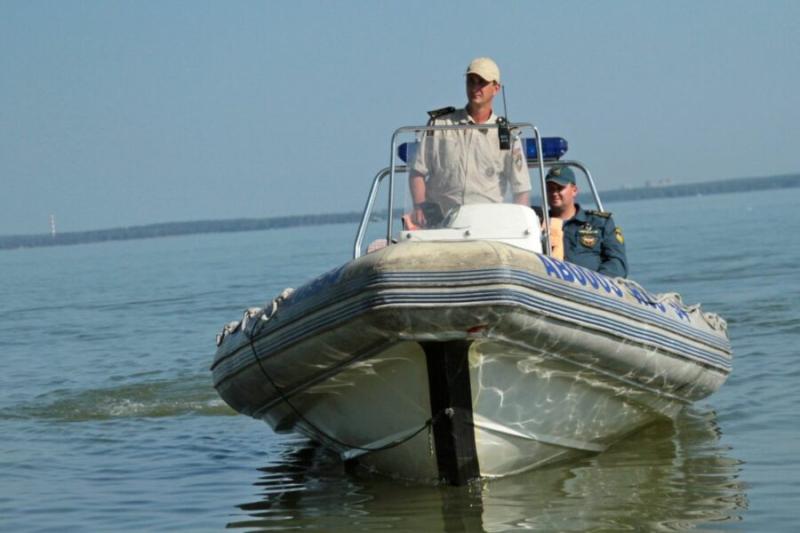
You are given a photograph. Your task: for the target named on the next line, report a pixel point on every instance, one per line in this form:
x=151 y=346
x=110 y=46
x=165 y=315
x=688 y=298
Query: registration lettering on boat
x=571 y=273
x=576 y=274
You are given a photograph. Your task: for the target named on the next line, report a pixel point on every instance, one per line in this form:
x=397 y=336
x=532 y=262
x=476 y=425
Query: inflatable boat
x=467 y=350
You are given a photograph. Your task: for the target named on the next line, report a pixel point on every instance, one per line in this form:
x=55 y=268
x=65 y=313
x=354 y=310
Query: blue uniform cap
x=561 y=175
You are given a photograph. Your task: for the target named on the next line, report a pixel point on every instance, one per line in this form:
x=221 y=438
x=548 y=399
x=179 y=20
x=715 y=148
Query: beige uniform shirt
x=467 y=166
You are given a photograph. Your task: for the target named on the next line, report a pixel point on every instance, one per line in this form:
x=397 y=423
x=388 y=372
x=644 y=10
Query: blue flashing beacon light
x=554 y=148
x=406 y=151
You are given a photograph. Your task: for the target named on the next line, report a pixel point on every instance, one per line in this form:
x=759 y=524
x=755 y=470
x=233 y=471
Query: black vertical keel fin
x=451 y=408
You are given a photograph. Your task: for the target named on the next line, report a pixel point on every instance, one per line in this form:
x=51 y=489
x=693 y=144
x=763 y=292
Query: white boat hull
x=451 y=361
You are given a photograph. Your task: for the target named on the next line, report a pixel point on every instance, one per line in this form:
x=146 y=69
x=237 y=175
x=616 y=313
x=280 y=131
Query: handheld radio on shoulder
x=503 y=133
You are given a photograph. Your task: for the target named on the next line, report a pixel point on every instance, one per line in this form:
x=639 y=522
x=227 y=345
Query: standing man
x=591 y=239
x=458 y=167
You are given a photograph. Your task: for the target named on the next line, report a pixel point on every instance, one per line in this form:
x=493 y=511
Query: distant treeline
x=168 y=229
x=705 y=187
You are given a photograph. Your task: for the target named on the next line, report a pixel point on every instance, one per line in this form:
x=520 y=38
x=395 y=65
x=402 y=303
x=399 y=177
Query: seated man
x=591 y=239
x=453 y=168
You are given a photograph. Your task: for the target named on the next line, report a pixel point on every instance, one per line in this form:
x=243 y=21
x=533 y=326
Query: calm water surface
x=109 y=421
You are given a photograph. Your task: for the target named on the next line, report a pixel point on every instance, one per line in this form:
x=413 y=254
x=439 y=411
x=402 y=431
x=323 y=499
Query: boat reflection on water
x=669 y=476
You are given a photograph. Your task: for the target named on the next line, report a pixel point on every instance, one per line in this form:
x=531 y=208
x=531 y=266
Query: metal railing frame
x=394 y=168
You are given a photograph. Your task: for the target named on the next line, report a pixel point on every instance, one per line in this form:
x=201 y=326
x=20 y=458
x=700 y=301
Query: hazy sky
x=119 y=113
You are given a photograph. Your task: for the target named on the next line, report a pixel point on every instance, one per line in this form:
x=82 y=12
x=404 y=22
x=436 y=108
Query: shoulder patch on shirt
x=604 y=214
x=618 y=235
x=516 y=154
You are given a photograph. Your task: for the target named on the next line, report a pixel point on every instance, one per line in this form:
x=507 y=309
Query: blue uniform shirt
x=591 y=240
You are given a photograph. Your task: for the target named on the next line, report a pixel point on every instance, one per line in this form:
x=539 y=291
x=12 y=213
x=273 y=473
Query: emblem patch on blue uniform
x=588 y=236
x=618 y=235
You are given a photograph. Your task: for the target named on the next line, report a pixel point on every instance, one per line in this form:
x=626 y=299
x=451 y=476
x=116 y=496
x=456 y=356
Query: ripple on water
x=163 y=398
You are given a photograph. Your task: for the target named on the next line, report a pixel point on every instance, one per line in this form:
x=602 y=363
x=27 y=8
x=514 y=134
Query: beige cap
x=485 y=68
